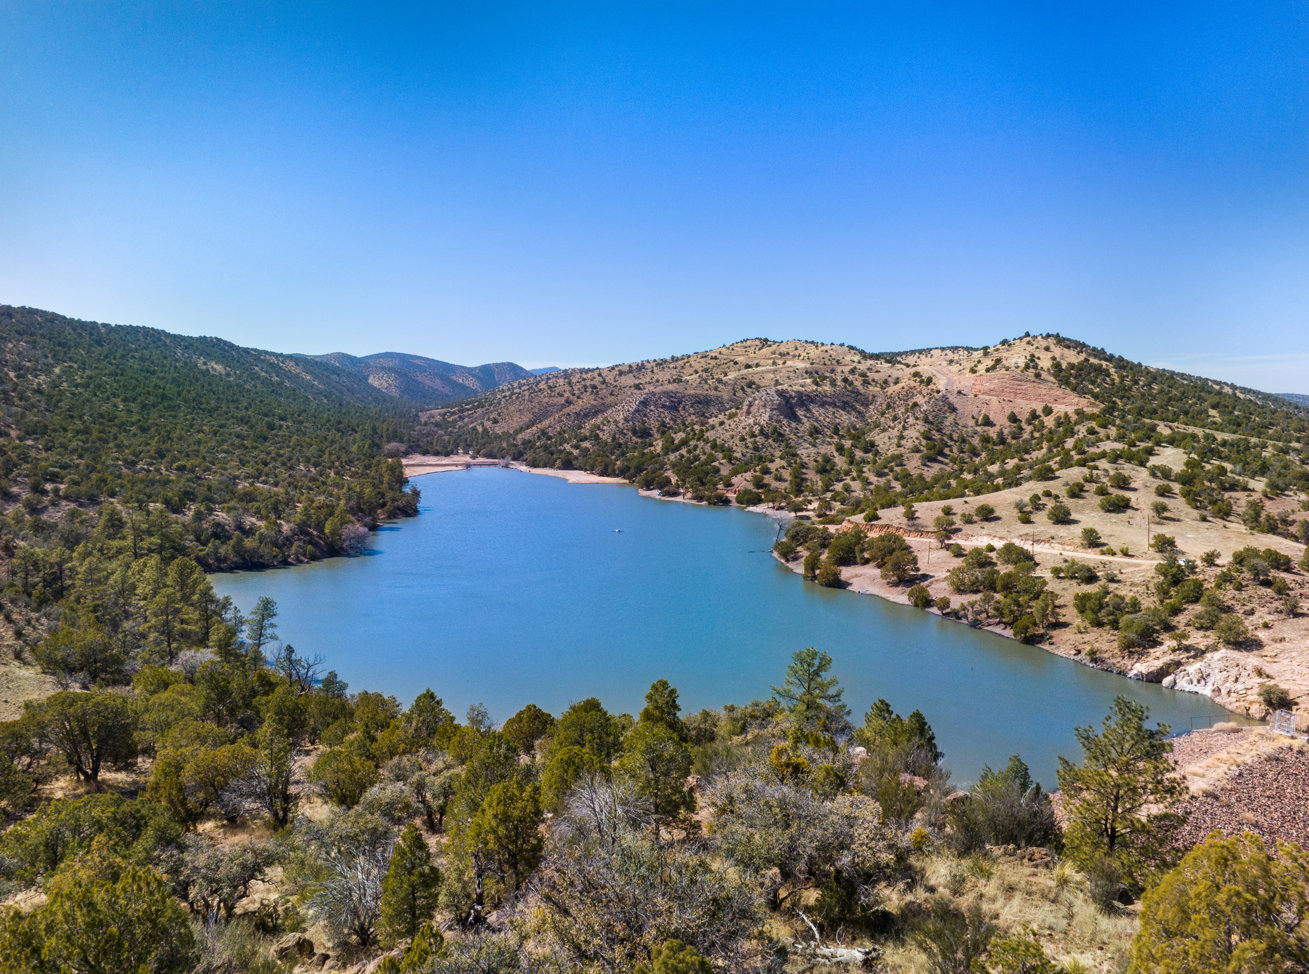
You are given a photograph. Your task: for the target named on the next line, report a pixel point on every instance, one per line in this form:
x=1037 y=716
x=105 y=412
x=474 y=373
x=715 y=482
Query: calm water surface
x=512 y=588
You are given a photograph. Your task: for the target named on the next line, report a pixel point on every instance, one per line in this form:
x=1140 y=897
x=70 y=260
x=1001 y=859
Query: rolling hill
x=871 y=430
x=424 y=381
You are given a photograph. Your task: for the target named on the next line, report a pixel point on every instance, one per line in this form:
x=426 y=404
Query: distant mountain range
x=1295 y=397
x=544 y=370
x=425 y=381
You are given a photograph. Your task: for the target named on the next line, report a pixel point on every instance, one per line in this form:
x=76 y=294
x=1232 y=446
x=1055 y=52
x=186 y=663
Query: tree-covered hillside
x=425 y=381
x=123 y=443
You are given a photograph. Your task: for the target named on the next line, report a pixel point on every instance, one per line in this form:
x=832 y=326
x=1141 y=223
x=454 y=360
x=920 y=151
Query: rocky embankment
x=1245 y=779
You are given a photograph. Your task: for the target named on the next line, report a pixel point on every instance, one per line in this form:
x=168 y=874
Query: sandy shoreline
x=418 y=466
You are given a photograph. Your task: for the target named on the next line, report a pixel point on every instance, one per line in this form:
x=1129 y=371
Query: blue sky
x=584 y=184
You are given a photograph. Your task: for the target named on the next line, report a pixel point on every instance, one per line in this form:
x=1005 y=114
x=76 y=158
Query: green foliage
x=1115 y=503
x=1163 y=543
x=169 y=423
x=506 y=831
x=586 y=724
x=88 y=926
x=1059 y=513
x=828 y=575
x=812 y=699
x=1013 y=554
x=565 y=769
x=1276 y=697
x=527 y=727
x=343 y=776
x=844 y=549
x=1227 y=906
x=410 y=889
x=920 y=597
x=1004 y=808
x=657 y=759
x=900 y=567
x=1104 y=607
x=1231 y=630
x=269 y=783
x=64 y=829
x=675 y=957
x=1019 y=953
x=1120 y=800
x=748 y=497
x=89 y=729
x=885 y=730
x=1137 y=630
x=662 y=709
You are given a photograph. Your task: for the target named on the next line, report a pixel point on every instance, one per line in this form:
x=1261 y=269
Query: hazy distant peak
x=544 y=370
x=426 y=381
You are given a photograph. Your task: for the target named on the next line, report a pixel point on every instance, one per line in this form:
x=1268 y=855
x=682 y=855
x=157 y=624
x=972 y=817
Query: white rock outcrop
x=1226 y=676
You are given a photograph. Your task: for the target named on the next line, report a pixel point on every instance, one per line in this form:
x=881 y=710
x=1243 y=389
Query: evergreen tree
x=410 y=889
x=812 y=699
x=260 y=629
x=661 y=707
x=505 y=831
x=272 y=772
x=1120 y=800
x=89 y=729
x=1228 y=906
x=658 y=761
x=127 y=923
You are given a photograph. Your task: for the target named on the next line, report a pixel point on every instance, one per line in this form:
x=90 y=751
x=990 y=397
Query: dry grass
x=1052 y=902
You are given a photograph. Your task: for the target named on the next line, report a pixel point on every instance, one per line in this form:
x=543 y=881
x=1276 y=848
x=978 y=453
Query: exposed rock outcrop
x=1226 y=676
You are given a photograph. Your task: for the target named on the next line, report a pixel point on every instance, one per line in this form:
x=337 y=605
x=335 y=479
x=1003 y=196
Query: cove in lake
x=511 y=588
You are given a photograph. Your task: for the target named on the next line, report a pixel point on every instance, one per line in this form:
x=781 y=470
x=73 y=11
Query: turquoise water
x=512 y=588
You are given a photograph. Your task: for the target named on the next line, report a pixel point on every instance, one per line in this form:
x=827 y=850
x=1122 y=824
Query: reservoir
x=511 y=588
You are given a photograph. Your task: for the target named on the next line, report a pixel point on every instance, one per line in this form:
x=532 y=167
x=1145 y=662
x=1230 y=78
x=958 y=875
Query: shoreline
x=858 y=579
x=419 y=466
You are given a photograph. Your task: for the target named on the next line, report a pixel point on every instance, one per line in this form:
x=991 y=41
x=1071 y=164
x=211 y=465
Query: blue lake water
x=511 y=588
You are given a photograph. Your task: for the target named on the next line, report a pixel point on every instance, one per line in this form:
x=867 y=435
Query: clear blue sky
x=585 y=185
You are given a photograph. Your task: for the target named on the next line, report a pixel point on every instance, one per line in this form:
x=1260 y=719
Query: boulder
x=1151 y=670
x=293 y=945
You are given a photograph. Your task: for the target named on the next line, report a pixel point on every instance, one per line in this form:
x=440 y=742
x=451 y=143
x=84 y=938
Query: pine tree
x=409 y=891
x=812 y=699
x=1120 y=799
x=505 y=831
x=661 y=707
